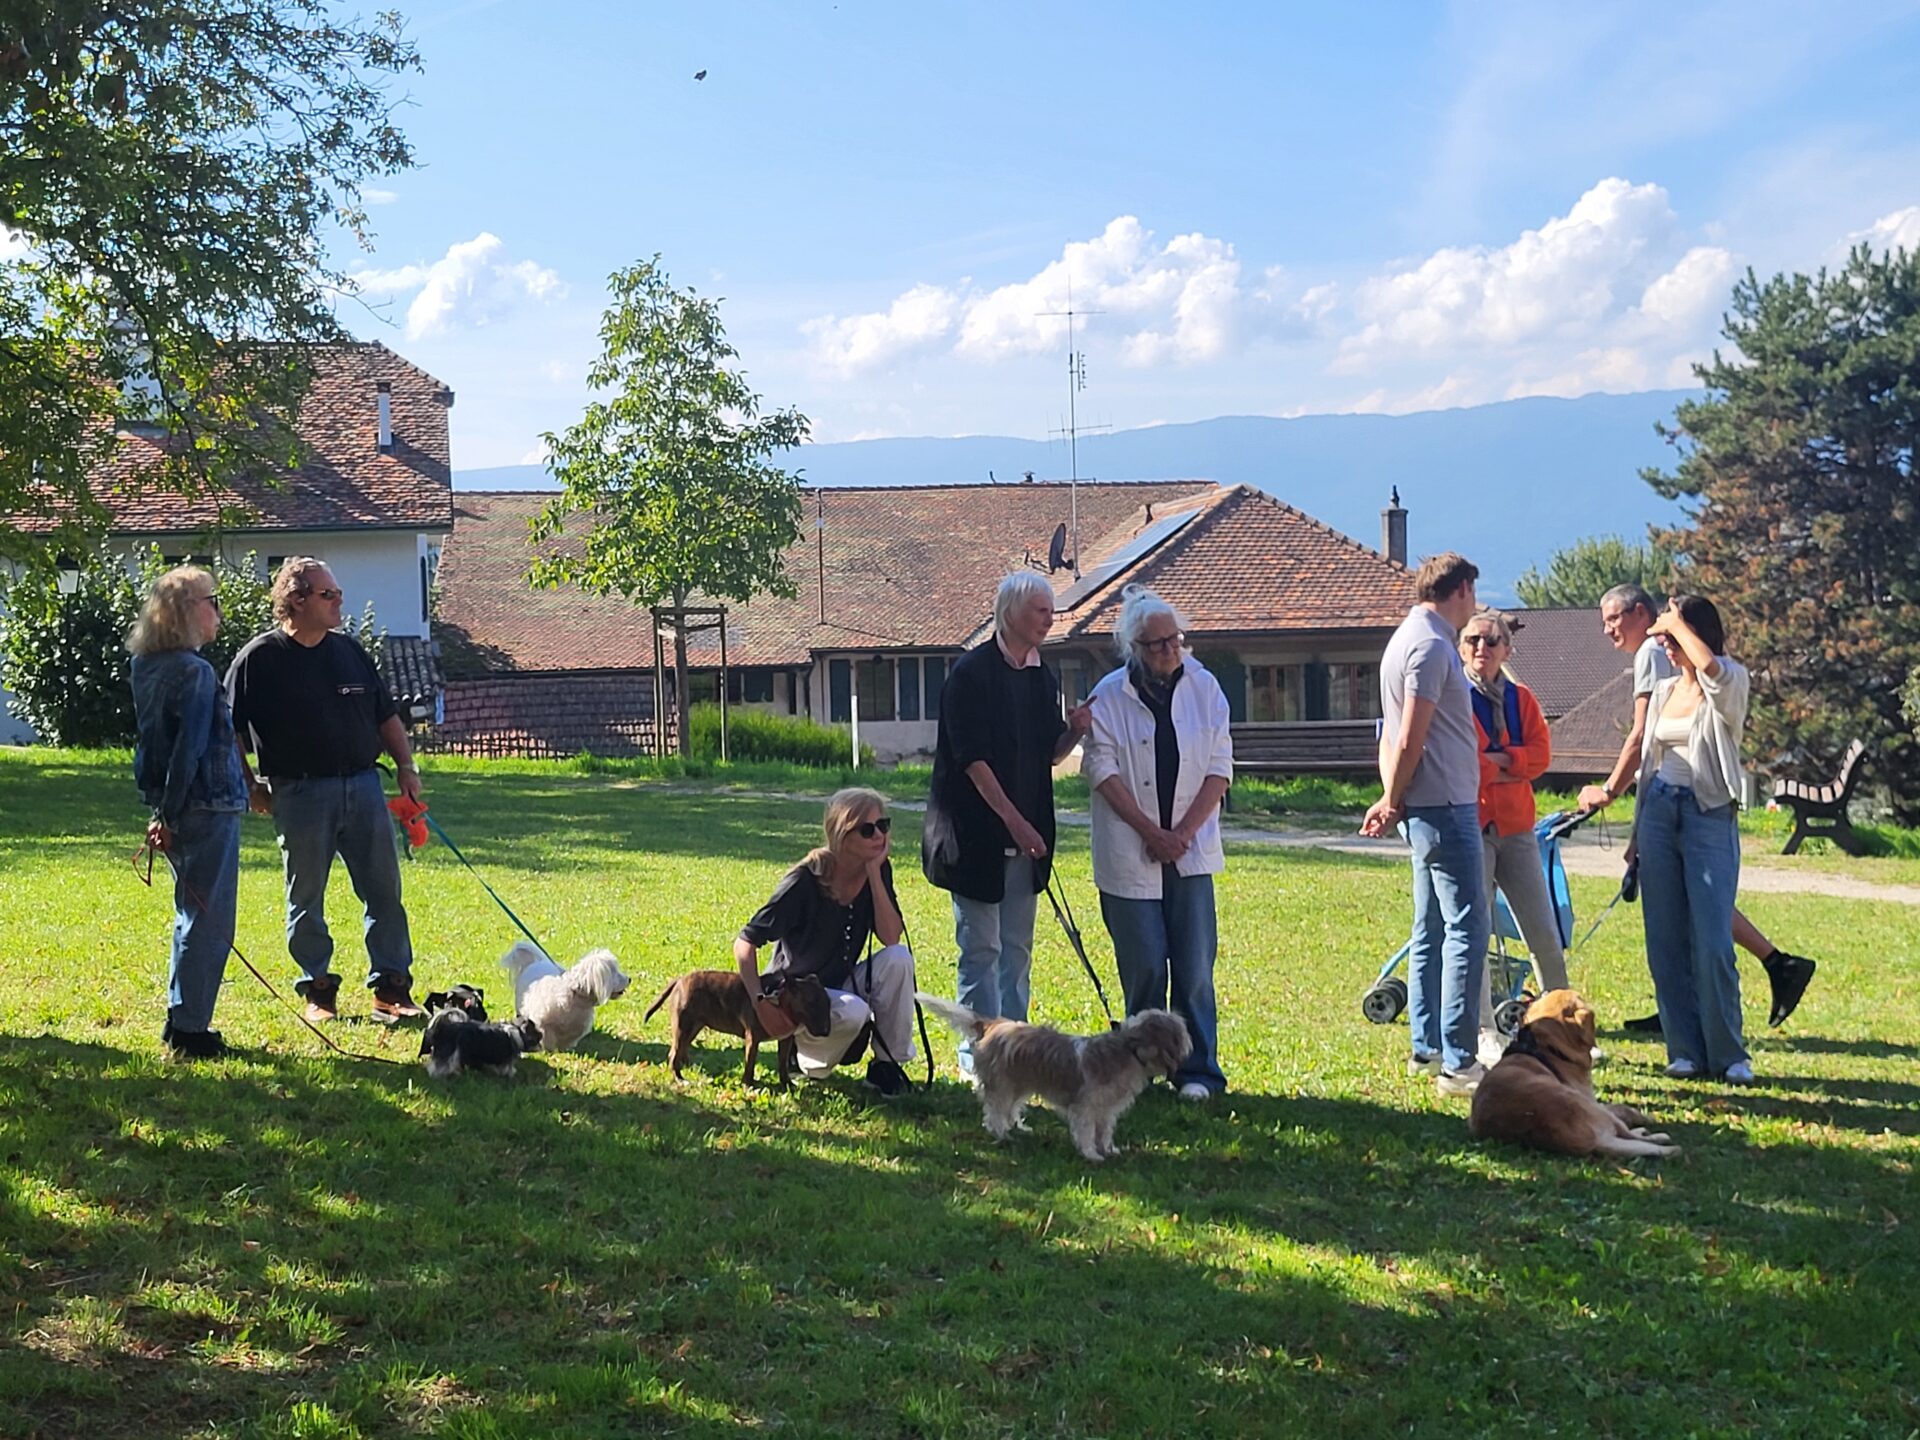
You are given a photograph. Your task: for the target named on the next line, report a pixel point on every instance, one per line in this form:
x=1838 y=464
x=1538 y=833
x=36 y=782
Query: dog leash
x=148 y=850
x=1063 y=912
x=926 y=1045
x=447 y=840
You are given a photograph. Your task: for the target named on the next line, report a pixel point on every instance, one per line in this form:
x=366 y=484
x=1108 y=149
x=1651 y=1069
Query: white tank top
x=1670 y=735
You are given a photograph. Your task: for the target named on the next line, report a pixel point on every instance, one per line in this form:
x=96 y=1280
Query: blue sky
x=1279 y=209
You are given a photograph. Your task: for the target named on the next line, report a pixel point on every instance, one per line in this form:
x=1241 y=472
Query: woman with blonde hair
x=189 y=772
x=820 y=920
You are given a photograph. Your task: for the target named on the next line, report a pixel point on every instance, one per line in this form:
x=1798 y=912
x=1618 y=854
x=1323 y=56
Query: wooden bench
x=1821 y=810
x=1306 y=747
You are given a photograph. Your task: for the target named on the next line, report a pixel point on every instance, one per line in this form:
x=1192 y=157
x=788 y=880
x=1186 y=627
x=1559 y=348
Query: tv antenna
x=1076 y=382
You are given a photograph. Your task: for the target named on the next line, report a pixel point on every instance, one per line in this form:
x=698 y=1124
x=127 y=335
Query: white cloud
x=471 y=285
x=1696 y=287
x=1898 y=231
x=1563 y=277
x=1179 y=303
x=374 y=195
x=860 y=342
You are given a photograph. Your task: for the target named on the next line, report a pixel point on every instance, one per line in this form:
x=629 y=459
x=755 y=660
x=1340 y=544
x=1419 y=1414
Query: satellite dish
x=1057 y=548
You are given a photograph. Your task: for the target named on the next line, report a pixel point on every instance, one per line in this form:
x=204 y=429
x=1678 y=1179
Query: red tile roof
x=1587 y=739
x=1563 y=656
x=347 y=482
x=916 y=566
x=905 y=566
x=1249 y=563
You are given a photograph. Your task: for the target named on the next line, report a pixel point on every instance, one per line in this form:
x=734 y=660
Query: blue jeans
x=996 y=950
x=345 y=816
x=1689 y=871
x=1172 y=940
x=1451 y=929
x=206 y=887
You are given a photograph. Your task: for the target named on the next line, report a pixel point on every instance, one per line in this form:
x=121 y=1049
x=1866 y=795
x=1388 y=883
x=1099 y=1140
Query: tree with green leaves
x=1580 y=574
x=63 y=640
x=169 y=170
x=670 y=472
x=1798 y=469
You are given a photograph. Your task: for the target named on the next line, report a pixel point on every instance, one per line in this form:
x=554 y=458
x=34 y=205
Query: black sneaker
x=1645 y=1025
x=193 y=1044
x=1790 y=975
x=887 y=1077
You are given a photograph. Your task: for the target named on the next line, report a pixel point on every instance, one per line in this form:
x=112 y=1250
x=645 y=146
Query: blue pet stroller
x=1512 y=974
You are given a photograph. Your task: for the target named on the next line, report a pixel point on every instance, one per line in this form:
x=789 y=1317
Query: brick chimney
x=1393 y=530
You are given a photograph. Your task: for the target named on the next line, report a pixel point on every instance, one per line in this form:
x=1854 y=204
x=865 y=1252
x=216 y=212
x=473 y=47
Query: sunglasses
x=867 y=829
x=213 y=600
x=1165 y=645
x=328 y=594
x=1476 y=642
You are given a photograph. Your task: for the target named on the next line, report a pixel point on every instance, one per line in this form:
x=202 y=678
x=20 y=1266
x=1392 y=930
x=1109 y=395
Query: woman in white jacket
x=1686 y=837
x=1158 y=761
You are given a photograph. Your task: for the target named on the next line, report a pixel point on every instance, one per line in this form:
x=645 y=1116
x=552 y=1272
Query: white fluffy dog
x=1090 y=1080
x=562 y=1002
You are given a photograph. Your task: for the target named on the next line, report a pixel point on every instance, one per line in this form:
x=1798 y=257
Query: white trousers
x=885 y=996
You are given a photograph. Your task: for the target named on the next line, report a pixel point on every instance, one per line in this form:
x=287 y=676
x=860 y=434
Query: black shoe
x=1790 y=975
x=887 y=1077
x=1645 y=1025
x=193 y=1044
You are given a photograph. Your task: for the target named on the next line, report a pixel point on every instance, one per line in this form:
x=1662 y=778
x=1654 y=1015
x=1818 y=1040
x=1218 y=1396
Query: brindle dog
x=717 y=1000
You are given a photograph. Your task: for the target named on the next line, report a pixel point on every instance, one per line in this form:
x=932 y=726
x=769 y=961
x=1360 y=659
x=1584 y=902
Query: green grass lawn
x=289 y=1245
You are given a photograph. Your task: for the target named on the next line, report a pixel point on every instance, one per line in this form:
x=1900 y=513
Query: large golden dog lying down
x=1541 y=1092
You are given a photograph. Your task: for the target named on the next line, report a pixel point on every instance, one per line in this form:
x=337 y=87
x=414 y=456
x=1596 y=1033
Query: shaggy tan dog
x=1090 y=1080
x=1541 y=1092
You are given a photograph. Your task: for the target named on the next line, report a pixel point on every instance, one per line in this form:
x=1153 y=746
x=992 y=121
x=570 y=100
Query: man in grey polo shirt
x=1430 y=774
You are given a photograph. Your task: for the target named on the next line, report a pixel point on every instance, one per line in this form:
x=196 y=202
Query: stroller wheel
x=1509 y=1015
x=1384 y=1002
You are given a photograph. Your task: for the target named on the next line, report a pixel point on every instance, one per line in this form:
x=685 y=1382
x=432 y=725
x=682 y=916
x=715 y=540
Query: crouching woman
x=189 y=772
x=820 y=920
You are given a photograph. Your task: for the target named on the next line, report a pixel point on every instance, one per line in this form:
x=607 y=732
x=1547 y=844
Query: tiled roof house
x=373 y=499
x=1584 y=686
x=891 y=583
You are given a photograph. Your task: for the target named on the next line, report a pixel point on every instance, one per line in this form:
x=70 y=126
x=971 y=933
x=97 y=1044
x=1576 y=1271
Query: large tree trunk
x=680 y=671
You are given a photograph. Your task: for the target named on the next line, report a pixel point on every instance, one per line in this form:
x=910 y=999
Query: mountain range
x=1505 y=484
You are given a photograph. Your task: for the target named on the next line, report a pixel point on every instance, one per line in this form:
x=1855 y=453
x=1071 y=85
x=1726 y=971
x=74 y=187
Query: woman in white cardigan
x=1158 y=761
x=1687 y=840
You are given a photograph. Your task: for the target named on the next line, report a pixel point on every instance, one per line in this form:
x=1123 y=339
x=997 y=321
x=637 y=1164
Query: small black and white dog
x=468 y=998
x=454 y=1042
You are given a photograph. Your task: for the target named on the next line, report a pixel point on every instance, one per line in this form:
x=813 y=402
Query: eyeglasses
x=867 y=829
x=1165 y=645
x=1475 y=642
x=213 y=600
x=328 y=594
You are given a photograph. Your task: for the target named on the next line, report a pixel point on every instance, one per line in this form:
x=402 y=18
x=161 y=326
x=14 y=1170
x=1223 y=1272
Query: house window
x=750 y=687
x=933 y=675
x=1073 y=681
x=873 y=682
x=426 y=589
x=1274 y=692
x=703 y=687
x=1353 y=691
x=910 y=688
x=839 y=692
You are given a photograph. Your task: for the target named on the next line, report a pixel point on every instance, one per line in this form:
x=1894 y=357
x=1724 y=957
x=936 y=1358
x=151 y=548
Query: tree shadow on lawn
x=1825 y=1045
x=224 y=1240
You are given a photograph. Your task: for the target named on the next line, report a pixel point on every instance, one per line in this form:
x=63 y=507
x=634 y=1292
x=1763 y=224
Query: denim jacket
x=185 y=759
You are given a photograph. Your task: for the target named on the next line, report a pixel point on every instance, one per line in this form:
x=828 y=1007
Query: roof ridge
x=1010 y=485
x=1319 y=524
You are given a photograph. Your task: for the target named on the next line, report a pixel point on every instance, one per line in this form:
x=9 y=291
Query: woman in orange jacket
x=1514 y=750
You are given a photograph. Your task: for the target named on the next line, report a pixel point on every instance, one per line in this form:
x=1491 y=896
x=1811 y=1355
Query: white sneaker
x=1193 y=1090
x=1491 y=1047
x=1420 y=1065
x=1682 y=1070
x=1460 y=1082
x=1739 y=1073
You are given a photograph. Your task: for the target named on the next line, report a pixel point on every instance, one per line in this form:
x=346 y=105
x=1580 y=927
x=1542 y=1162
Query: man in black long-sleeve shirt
x=308 y=701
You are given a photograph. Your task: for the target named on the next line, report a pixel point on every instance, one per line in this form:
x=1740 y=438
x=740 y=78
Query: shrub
x=756 y=735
